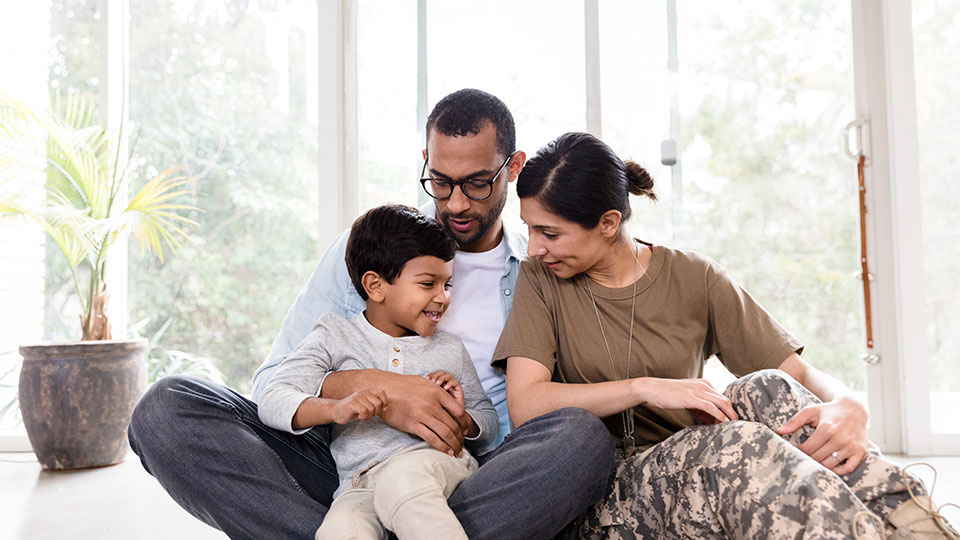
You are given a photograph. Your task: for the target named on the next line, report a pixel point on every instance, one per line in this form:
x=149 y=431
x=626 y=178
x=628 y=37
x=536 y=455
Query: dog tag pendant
x=629 y=446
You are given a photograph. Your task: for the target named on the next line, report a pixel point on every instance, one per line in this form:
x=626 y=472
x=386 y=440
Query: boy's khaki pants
x=406 y=494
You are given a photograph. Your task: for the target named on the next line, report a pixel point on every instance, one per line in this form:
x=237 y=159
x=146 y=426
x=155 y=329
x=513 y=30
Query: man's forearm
x=340 y=384
x=416 y=404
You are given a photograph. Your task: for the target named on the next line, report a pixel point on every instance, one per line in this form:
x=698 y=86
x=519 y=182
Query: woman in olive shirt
x=622 y=328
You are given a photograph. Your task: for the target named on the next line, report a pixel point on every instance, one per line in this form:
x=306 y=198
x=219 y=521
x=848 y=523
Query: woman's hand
x=696 y=395
x=839 y=440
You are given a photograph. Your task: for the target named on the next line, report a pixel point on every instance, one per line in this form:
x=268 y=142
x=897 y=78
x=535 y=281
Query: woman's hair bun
x=639 y=181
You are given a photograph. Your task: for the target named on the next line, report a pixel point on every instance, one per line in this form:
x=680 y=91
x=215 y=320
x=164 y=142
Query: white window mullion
x=906 y=217
x=422 y=80
x=883 y=379
x=885 y=95
x=113 y=114
x=591 y=34
x=337 y=159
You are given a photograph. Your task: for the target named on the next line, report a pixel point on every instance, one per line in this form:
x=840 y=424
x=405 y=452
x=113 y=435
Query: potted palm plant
x=62 y=170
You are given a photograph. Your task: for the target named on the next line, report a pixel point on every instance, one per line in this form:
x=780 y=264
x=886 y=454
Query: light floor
x=124 y=502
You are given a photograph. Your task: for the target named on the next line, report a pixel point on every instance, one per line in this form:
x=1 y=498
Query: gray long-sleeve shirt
x=338 y=344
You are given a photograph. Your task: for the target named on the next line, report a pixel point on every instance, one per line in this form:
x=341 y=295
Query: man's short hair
x=466 y=111
x=385 y=238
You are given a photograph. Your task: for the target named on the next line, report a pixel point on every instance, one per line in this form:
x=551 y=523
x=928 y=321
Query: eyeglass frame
x=455 y=183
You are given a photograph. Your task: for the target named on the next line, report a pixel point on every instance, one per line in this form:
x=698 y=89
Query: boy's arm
x=362 y=405
x=478 y=406
x=297 y=380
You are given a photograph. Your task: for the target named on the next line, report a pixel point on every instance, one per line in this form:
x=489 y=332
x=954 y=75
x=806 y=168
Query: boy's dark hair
x=385 y=238
x=465 y=111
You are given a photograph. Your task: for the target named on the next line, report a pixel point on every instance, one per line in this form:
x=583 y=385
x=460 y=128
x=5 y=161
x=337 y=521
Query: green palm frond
x=10 y=206
x=67 y=162
x=151 y=215
x=77 y=232
x=22 y=144
x=75 y=166
x=76 y=153
x=29 y=141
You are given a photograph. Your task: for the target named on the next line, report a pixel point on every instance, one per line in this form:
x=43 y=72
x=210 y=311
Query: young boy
x=400 y=261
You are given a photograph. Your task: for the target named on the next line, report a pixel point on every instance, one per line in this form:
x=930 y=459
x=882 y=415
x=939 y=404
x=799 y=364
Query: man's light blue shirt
x=330 y=290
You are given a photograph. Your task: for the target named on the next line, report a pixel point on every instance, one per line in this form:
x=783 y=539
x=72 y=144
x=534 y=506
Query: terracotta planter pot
x=76 y=400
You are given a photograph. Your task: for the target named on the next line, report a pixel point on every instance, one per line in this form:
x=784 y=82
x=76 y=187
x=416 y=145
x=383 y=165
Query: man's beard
x=484 y=223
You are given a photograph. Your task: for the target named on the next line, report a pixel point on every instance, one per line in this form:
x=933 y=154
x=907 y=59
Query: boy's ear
x=373 y=284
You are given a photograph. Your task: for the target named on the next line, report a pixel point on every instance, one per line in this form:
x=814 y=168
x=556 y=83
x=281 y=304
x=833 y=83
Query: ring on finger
x=835 y=455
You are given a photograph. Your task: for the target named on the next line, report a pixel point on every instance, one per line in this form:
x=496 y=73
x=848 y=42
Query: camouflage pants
x=741 y=480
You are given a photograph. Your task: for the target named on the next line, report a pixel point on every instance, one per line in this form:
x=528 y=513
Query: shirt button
x=507 y=292
x=396 y=349
x=396 y=362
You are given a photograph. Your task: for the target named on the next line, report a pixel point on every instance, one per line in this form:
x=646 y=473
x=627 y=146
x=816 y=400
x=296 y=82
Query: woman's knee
x=744 y=430
x=766 y=380
x=732 y=441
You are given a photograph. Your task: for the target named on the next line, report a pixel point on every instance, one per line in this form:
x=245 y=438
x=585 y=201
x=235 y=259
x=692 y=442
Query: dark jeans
x=206 y=446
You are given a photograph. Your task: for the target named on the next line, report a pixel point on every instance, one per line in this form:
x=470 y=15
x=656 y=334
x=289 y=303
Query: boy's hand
x=448 y=383
x=360 y=405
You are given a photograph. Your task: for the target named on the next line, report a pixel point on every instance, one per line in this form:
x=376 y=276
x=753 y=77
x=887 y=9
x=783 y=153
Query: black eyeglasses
x=476 y=189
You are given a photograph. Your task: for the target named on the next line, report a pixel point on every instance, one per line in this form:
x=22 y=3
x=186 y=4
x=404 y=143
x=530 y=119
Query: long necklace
x=626 y=417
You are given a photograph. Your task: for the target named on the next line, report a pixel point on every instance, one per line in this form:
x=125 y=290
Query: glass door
x=936 y=39
x=753 y=99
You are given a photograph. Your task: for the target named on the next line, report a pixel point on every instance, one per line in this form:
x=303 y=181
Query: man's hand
x=452 y=386
x=361 y=405
x=417 y=405
x=839 y=440
x=432 y=413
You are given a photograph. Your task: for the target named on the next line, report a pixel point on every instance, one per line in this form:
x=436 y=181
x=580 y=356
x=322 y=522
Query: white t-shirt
x=475 y=313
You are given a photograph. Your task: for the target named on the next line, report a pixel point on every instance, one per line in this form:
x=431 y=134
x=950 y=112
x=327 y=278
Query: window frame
x=885 y=92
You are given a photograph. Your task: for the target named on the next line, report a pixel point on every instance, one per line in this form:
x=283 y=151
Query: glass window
x=637 y=93
x=763 y=187
x=228 y=91
x=48 y=47
x=74 y=67
x=509 y=50
x=937 y=63
x=536 y=69
x=388 y=135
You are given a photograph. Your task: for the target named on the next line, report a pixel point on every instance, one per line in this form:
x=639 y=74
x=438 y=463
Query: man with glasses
x=206 y=446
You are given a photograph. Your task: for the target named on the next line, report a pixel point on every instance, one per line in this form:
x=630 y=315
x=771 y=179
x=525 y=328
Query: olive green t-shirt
x=687 y=309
